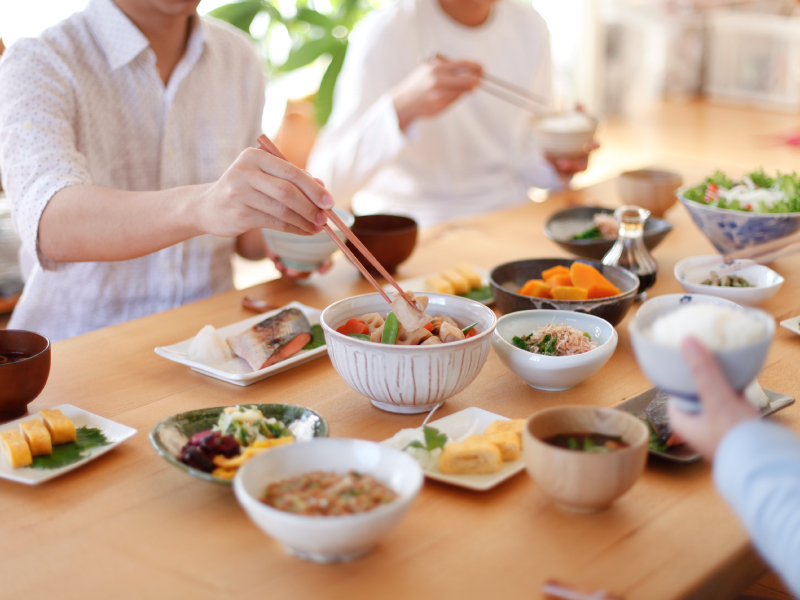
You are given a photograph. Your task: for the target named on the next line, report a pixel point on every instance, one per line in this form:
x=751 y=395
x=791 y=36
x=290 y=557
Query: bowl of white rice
x=564 y=134
x=739 y=337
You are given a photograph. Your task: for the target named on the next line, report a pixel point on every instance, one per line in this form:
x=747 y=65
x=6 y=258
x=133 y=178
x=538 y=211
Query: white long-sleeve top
x=757 y=471
x=475 y=157
x=84 y=104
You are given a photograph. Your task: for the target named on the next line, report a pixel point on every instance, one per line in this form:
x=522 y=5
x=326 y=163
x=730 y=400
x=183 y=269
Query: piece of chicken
x=448 y=333
x=437 y=323
x=411 y=317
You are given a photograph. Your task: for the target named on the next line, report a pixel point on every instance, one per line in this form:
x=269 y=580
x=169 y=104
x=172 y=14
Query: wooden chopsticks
x=512 y=93
x=267 y=146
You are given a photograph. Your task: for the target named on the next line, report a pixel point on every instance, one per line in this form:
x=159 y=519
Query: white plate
x=417 y=284
x=458 y=427
x=115 y=433
x=239 y=372
x=690 y=272
x=792 y=324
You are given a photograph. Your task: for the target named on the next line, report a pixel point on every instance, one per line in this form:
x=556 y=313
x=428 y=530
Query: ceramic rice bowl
x=408 y=379
x=507 y=278
x=306 y=252
x=729 y=230
x=666 y=367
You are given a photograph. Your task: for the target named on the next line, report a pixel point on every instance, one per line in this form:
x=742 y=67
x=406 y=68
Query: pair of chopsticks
x=762 y=254
x=267 y=146
x=510 y=92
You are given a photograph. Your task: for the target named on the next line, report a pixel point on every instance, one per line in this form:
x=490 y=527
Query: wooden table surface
x=129 y=525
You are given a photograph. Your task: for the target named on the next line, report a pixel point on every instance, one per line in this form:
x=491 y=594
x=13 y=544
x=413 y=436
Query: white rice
x=716 y=327
x=209 y=348
x=566 y=123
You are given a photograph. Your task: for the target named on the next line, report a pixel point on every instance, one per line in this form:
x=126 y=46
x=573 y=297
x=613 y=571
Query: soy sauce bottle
x=629 y=251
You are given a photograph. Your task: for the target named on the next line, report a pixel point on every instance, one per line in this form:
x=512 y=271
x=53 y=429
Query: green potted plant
x=314 y=34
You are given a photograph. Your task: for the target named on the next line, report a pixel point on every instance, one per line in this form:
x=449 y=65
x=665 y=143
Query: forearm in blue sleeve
x=757 y=471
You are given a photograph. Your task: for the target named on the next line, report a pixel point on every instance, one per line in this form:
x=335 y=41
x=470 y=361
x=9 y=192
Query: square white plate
x=458 y=427
x=417 y=284
x=241 y=373
x=792 y=324
x=115 y=433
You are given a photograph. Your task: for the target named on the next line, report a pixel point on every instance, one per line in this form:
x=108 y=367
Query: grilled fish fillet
x=273 y=339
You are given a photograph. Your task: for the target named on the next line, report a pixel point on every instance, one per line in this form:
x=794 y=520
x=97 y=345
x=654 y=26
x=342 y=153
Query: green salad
x=756 y=192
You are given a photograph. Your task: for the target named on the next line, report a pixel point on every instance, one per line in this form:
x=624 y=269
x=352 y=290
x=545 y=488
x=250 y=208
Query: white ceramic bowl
x=306 y=252
x=690 y=272
x=584 y=481
x=553 y=373
x=551 y=136
x=665 y=302
x=666 y=367
x=408 y=379
x=328 y=539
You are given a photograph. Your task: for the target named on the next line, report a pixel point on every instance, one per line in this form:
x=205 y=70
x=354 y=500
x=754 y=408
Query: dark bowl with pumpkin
x=506 y=279
x=390 y=238
x=564 y=225
x=24 y=369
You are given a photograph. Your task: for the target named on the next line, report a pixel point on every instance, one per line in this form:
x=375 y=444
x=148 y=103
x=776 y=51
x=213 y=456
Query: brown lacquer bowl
x=24 y=370
x=390 y=238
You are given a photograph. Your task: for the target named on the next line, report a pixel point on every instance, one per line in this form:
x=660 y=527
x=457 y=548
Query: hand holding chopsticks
x=266 y=144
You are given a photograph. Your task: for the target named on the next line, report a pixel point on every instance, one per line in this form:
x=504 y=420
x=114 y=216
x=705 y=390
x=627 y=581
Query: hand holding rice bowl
x=564 y=134
x=739 y=338
x=408 y=378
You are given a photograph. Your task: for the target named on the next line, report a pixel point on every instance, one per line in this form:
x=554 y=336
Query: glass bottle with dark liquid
x=629 y=251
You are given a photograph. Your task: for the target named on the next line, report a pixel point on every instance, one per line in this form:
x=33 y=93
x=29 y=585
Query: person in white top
x=126 y=149
x=411 y=133
x=756 y=463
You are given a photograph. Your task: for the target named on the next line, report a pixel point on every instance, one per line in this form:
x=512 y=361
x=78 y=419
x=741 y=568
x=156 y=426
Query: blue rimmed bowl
x=730 y=230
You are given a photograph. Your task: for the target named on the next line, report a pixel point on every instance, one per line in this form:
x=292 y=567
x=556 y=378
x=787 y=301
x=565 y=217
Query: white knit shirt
x=474 y=157
x=84 y=104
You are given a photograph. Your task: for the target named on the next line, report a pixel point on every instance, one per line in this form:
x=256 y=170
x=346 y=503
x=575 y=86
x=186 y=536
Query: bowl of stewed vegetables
x=408 y=359
x=328 y=500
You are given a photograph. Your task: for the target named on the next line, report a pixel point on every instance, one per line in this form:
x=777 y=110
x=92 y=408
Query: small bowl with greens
x=736 y=214
x=553 y=350
x=590 y=231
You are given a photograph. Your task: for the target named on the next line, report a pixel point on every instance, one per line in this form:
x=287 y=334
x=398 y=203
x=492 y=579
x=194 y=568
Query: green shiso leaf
x=317 y=338
x=481 y=294
x=67 y=454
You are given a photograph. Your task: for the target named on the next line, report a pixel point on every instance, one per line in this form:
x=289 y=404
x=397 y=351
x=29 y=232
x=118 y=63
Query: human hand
x=567 y=166
x=723 y=408
x=260 y=190
x=432 y=87
x=290 y=273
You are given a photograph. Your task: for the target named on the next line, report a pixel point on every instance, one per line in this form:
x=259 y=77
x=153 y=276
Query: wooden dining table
x=130 y=525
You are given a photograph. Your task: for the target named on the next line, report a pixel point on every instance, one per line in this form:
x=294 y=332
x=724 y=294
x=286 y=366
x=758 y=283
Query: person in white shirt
x=411 y=133
x=756 y=463
x=126 y=149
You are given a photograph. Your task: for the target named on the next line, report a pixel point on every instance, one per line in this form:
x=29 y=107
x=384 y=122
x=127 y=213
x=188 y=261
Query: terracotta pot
x=390 y=238
x=21 y=382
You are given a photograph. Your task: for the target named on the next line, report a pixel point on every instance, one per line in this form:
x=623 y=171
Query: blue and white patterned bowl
x=731 y=230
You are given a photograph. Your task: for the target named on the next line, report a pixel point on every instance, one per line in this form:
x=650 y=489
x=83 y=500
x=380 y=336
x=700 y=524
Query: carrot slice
x=557 y=270
x=535 y=288
x=560 y=279
x=585 y=276
x=569 y=293
x=353 y=326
